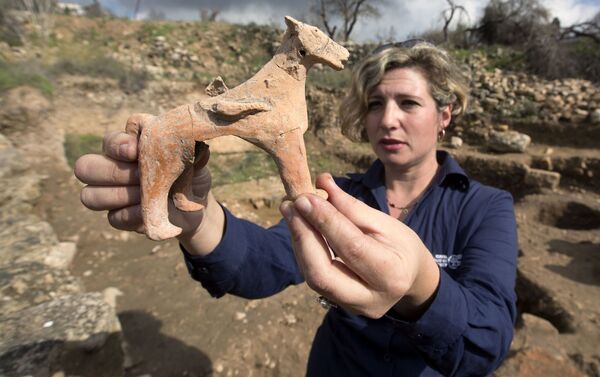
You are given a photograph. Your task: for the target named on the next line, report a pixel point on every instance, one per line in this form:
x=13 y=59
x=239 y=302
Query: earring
x=441 y=134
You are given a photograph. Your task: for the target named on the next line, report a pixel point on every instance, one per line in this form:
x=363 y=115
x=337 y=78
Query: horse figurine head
x=308 y=45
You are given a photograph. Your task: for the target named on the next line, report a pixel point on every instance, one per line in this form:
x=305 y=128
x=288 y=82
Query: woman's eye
x=409 y=103
x=373 y=105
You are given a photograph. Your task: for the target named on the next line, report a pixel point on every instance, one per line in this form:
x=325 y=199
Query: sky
x=400 y=18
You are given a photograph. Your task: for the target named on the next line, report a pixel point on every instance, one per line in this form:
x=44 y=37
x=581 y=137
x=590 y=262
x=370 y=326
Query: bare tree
x=589 y=29
x=39 y=14
x=325 y=17
x=156 y=15
x=388 y=36
x=11 y=30
x=209 y=15
x=345 y=14
x=510 y=21
x=136 y=9
x=95 y=9
x=448 y=15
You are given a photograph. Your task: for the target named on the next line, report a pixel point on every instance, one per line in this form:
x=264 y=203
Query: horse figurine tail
x=134 y=123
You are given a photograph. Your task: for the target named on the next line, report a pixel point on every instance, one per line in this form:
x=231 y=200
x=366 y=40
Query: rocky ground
x=535 y=138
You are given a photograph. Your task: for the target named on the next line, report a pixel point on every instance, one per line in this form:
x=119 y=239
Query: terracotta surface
x=268 y=110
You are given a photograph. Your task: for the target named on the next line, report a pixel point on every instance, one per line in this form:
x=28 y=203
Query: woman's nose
x=391 y=116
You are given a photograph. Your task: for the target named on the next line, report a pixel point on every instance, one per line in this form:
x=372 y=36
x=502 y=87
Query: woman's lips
x=392 y=144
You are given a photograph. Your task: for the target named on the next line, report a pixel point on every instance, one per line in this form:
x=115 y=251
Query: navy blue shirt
x=471 y=231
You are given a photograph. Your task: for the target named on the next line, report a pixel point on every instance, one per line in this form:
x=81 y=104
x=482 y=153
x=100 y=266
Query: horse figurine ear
x=292 y=23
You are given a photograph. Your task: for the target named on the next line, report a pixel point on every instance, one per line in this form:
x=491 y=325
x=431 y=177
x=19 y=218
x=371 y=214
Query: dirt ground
x=174 y=328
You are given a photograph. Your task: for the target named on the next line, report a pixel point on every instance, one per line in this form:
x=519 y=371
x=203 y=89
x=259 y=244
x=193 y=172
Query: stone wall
x=521 y=95
x=48 y=325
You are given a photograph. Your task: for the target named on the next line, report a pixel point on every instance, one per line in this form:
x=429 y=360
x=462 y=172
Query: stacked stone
x=519 y=95
x=161 y=51
x=48 y=324
x=161 y=57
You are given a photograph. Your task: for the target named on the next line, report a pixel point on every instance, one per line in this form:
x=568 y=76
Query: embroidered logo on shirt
x=450 y=261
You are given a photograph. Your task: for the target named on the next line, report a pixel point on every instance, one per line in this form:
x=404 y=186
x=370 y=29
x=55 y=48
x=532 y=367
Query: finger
x=305 y=241
x=202 y=155
x=201 y=182
x=120 y=146
x=323 y=274
x=355 y=295
x=100 y=198
x=367 y=219
x=373 y=261
x=98 y=170
x=322 y=193
x=129 y=218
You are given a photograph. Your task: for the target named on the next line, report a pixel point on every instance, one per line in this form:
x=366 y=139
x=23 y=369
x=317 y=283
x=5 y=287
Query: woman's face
x=402 y=120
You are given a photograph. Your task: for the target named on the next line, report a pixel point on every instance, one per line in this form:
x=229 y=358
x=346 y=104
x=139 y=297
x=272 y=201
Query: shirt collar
x=449 y=171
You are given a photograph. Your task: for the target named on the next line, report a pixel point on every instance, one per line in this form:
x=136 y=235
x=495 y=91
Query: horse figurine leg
x=289 y=154
x=182 y=192
x=164 y=154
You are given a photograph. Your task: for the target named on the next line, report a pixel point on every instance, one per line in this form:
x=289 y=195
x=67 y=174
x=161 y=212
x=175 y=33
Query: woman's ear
x=446 y=116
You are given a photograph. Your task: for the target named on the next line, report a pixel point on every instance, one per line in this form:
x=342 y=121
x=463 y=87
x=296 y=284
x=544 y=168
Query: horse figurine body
x=268 y=110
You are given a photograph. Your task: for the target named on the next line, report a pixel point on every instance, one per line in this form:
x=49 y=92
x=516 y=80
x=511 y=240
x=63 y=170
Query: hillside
x=61 y=94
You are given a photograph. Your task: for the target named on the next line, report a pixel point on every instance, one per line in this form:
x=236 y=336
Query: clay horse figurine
x=268 y=110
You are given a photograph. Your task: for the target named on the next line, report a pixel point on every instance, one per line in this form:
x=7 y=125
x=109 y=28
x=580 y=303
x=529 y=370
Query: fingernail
x=286 y=210
x=124 y=150
x=303 y=205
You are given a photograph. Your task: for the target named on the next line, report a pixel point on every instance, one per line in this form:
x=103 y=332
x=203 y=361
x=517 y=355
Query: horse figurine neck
x=286 y=59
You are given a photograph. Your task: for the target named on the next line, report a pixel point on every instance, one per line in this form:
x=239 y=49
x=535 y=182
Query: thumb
x=364 y=217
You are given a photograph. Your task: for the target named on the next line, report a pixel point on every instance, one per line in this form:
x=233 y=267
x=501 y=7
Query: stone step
x=27 y=284
x=76 y=335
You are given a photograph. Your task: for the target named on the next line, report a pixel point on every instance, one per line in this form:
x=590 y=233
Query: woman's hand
x=379 y=262
x=113 y=184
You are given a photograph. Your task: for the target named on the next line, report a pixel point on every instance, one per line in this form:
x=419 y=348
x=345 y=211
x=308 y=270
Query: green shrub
x=77 y=145
x=133 y=81
x=11 y=30
x=462 y=54
x=527 y=108
x=319 y=162
x=24 y=73
x=511 y=22
x=130 y=81
x=10 y=37
x=585 y=52
x=240 y=167
x=202 y=79
x=257 y=61
x=100 y=66
x=155 y=29
x=506 y=58
x=330 y=79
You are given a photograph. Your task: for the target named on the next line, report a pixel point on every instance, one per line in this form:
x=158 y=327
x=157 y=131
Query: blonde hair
x=448 y=83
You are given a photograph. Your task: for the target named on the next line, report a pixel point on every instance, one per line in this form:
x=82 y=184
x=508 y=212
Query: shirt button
x=387 y=357
x=204 y=270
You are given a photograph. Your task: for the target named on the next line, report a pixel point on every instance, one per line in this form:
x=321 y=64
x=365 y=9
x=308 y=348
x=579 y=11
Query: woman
x=415 y=261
